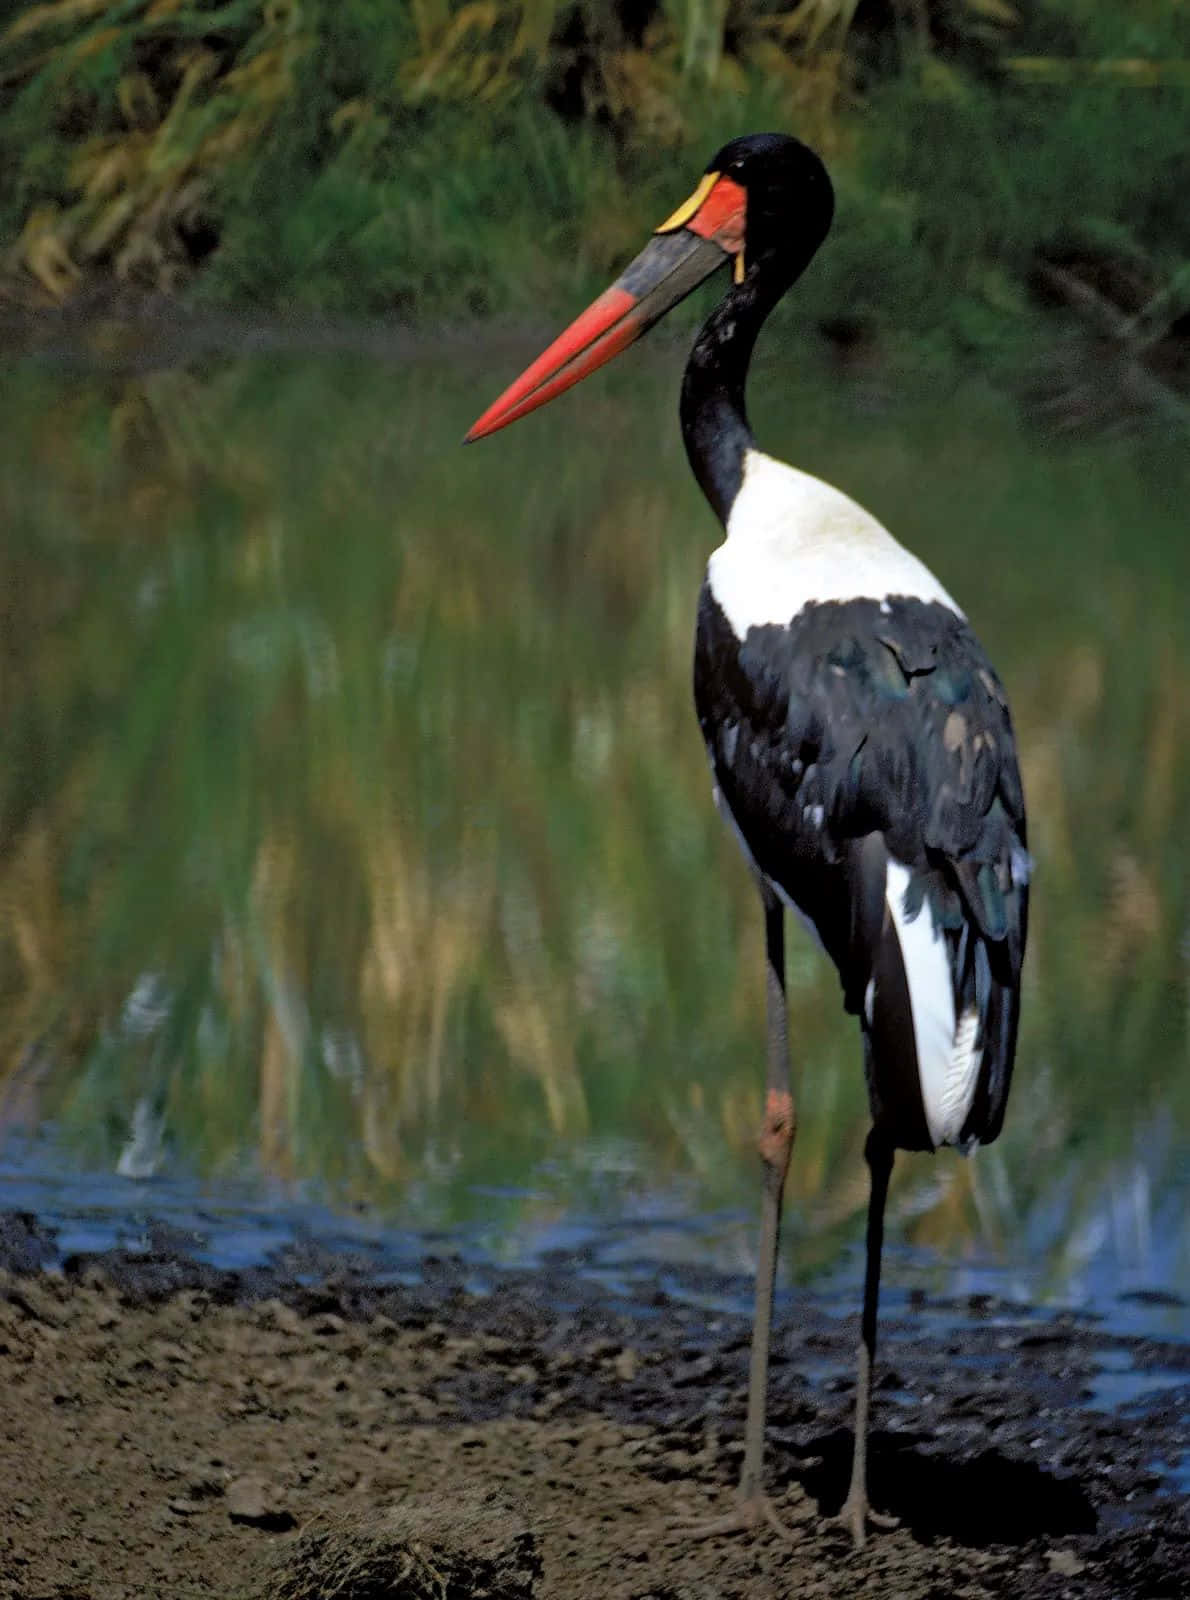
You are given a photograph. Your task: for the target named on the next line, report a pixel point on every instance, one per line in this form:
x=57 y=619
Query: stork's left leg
x=752 y=1508
x=856 y=1512
x=775 y=1144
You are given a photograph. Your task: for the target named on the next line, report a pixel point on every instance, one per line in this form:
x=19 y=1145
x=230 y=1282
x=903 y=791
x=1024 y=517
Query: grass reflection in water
x=356 y=822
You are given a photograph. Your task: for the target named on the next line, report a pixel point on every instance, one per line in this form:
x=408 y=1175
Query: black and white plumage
x=859 y=738
x=863 y=753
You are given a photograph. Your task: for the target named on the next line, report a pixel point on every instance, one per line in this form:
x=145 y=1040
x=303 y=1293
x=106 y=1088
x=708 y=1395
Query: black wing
x=865 y=729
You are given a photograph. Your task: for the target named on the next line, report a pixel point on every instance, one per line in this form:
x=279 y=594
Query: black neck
x=714 y=418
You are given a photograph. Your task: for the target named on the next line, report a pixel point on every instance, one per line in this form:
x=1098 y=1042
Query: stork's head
x=789 y=201
x=764 y=205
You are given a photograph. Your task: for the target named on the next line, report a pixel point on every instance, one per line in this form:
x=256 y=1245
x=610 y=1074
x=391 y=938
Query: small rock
x=626 y=1364
x=254 y=1500
x=1065 y=1563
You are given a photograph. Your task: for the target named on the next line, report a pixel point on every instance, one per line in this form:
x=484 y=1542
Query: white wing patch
x=962 y=1074
x=948 y=1052
x=793 y=540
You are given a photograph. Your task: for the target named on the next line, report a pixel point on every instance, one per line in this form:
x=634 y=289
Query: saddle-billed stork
x=860 y=741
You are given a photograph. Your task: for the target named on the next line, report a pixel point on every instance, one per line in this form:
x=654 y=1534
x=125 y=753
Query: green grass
x=363 y=159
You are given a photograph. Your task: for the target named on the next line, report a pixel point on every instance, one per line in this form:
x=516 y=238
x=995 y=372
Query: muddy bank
x=302 y=1429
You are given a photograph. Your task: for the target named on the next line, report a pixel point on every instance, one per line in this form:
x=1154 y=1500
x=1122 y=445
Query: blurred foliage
x=141 y=111
x=297 y=856
x=436 y=157
x=354 y=821
x=128 y=117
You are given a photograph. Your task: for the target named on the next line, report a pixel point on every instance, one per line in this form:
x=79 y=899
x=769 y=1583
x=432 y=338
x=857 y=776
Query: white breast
x=793 y=540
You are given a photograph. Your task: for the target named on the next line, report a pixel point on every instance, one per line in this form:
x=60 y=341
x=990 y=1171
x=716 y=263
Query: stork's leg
x=775 y=1143
x=856 y=1512
x=752 y=1507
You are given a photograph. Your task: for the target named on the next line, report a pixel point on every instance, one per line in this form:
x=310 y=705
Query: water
x=357 y=844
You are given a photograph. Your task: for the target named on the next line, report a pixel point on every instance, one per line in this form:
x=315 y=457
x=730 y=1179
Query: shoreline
x=182 y=1429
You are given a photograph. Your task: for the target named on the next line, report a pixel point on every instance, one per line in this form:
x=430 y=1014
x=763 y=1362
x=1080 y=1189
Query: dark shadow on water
x=979 y=1500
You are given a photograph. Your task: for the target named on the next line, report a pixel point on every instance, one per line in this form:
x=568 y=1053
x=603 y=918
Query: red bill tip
x=602 y=331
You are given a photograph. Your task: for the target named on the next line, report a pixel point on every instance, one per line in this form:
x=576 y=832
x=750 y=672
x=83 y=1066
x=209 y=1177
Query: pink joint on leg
x=778 y=1129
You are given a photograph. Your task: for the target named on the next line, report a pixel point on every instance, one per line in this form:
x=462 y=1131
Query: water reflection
x=356 y=826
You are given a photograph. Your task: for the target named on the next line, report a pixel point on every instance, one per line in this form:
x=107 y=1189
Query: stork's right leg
x=856 y=1512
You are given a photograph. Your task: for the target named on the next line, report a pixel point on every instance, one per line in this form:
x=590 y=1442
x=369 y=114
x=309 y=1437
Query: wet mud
x=304 y=1430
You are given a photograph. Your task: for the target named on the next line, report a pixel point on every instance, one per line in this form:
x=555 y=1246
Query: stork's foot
x=750 y=1514
x=857 y=1514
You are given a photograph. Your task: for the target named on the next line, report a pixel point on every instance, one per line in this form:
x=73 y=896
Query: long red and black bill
x=700 y=236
